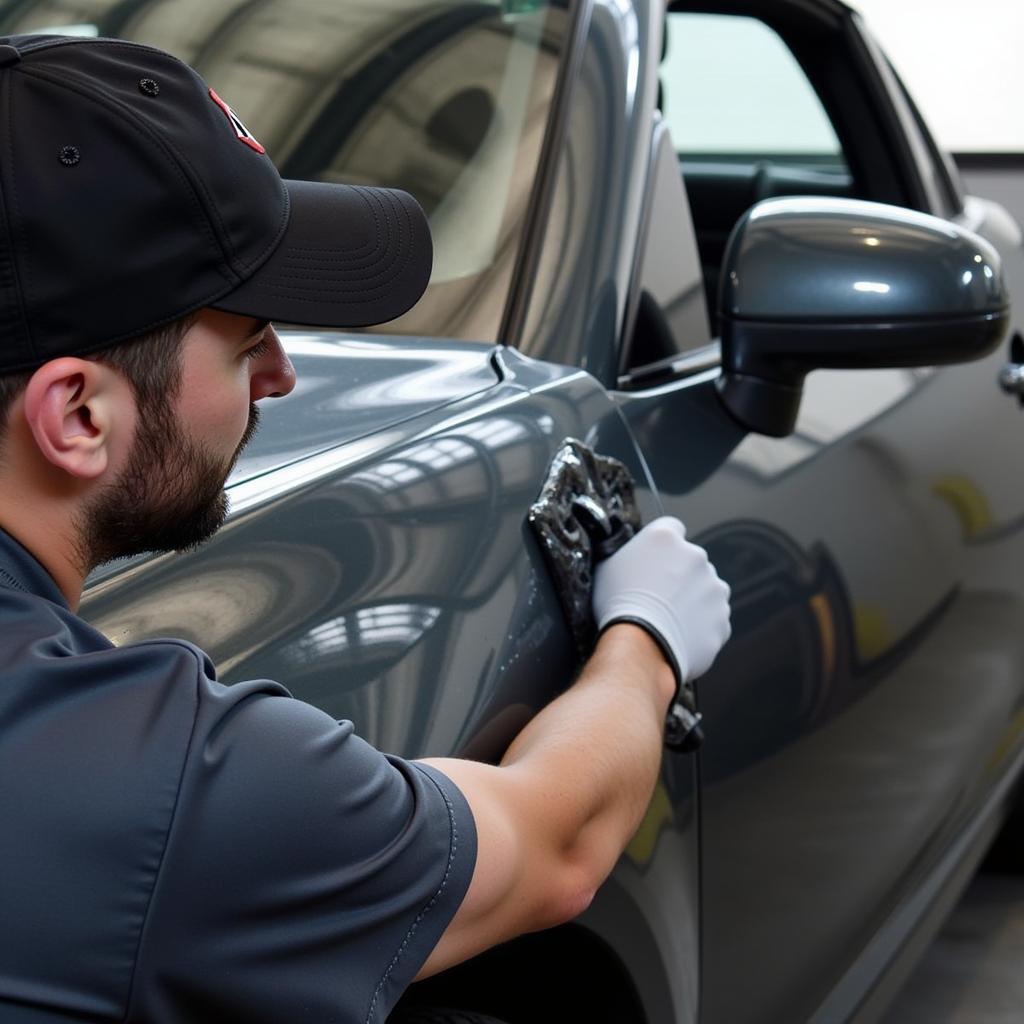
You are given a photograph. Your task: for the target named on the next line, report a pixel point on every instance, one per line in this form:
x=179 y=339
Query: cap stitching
x=359 y=284
x=394 y=222
x=362 y=272
x=399 y=222
x=375 y=268
x=368 y=247
x=392 y=268
x=287 y=291
x=320 y=248
x=324 y=295
x=384 y=274
x=284 y=289
x=292 y=253
x=314 y=260
x=358 y=281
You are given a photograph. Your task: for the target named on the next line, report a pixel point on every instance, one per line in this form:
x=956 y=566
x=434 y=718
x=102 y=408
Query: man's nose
x=273 y=375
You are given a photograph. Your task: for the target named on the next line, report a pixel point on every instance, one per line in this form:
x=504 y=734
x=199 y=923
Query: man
x=177 y=850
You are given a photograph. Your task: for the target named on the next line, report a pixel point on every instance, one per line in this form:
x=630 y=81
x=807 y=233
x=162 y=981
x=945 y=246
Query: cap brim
x=350 y=256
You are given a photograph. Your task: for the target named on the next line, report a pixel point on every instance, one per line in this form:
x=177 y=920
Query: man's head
x=190 y=429
x=139 y=216
x=149 y=430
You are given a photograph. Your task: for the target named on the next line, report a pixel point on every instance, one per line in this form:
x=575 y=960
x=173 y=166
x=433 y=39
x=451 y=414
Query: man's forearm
x=598 y=746
x=554 y=816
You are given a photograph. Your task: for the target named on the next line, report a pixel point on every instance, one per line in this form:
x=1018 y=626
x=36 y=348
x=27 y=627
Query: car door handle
x=1011 y=376
x=1011 y=379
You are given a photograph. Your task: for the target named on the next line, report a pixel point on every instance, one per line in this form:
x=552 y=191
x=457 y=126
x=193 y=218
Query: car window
x=747 y=124
x=731 y=87
x=447 y=100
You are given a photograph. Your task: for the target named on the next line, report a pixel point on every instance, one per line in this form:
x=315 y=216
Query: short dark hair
x=151 y=363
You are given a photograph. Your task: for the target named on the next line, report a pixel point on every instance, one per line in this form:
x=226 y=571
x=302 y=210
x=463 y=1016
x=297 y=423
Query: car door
x=863 y=720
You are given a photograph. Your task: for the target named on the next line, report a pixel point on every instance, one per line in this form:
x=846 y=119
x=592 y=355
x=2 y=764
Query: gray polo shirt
x=177 y=850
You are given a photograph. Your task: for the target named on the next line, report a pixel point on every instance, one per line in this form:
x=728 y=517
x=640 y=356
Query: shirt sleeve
x=306 y=876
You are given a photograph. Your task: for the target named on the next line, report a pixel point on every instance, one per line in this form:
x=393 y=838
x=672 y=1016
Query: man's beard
x=169 y=497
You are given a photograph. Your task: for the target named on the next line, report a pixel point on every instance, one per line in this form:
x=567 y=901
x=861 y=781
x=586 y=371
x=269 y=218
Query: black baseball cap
x=131 y=194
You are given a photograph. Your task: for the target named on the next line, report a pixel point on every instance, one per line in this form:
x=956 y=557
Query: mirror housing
x=814 y=282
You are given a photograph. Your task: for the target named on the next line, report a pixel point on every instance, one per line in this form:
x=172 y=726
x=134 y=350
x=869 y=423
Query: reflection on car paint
x=796 y=635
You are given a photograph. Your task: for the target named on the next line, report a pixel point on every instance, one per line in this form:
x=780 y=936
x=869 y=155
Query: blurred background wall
x=964 y=64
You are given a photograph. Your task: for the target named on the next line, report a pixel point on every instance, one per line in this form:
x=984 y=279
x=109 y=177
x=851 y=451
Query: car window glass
x=448 y=101
x=747 y=124
x=669 y=313
x=731 y=86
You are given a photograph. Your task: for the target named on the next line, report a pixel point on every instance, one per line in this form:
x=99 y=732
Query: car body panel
x=850 y=742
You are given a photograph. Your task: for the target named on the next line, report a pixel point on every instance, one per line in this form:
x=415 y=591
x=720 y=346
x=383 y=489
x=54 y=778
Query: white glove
x=663 y=583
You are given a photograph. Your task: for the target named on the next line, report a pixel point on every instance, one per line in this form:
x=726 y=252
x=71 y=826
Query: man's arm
x=553 y=817
x=570 y=792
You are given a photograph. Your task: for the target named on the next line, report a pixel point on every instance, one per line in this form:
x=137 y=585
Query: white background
x=963 y=62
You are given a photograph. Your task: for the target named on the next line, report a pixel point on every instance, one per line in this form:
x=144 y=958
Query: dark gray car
x=863 y=726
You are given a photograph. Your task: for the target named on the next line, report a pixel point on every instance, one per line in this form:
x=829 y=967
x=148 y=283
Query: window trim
x=524 y=271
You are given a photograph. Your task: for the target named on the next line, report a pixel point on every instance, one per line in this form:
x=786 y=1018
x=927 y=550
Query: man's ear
x=69 y=408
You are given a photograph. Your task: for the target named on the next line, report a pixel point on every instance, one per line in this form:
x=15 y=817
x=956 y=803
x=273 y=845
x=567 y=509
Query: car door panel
x=846 y=720
x=866 y=705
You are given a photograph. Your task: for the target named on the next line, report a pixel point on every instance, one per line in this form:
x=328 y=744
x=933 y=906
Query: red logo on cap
x=241 y=131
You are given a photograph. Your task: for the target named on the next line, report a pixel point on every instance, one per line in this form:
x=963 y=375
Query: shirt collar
x=21 y=571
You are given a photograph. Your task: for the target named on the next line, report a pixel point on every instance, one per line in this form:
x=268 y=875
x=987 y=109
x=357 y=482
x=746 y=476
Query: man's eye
x=261 y=348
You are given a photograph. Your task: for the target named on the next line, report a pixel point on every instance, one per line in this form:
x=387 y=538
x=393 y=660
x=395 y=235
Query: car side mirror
x=815 y=282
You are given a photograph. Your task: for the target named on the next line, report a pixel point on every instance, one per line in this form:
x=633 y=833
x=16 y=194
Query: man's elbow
x=573 y=889
x=575 y=903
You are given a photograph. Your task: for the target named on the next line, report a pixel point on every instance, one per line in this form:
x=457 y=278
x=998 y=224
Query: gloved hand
x=660 y=581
